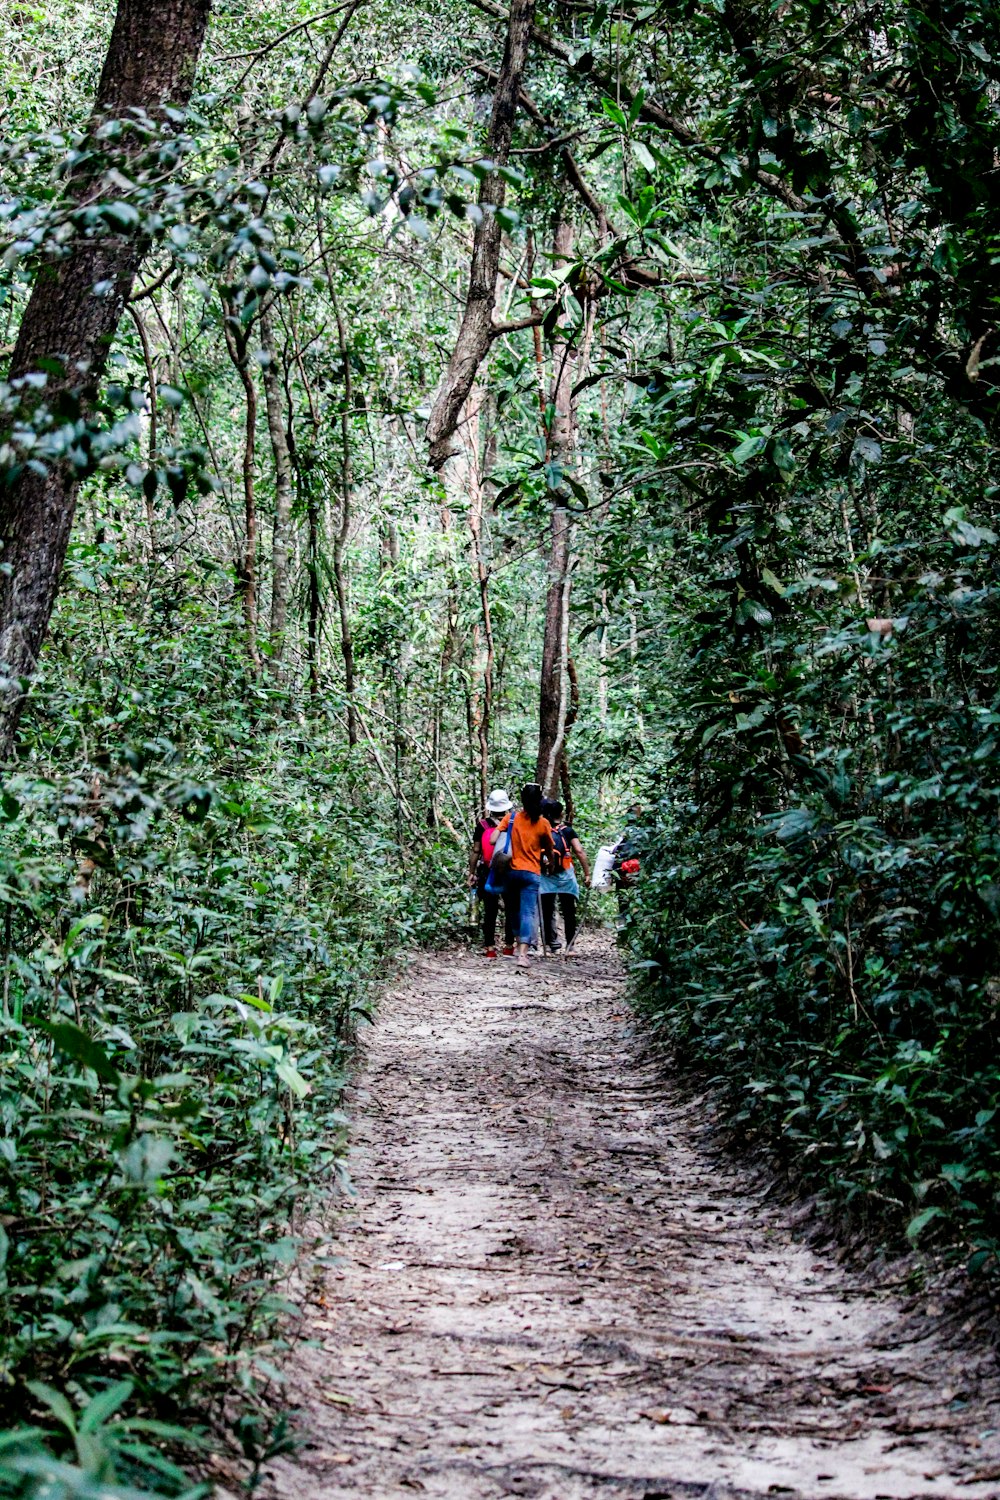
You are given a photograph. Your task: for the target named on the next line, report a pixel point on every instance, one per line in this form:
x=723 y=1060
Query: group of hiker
x=524 y=861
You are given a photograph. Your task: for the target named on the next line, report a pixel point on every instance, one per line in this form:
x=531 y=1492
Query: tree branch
x=532 y=320
x=655 y=114
x=577 y=180
x=476 y=332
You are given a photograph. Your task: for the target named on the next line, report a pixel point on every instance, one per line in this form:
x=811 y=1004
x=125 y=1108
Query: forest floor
x=554 y=1282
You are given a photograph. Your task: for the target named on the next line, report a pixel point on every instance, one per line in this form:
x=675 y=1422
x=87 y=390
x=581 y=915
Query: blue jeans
x=523 y=886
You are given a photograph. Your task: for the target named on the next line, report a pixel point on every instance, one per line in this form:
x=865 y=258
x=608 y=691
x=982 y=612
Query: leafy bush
x=819 y=915
x=192 y=929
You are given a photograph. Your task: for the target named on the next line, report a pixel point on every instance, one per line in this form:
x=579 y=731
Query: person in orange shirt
x=530 y=838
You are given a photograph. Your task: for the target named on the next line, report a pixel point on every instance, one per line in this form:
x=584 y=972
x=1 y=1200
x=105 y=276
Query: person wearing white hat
x=497 y=805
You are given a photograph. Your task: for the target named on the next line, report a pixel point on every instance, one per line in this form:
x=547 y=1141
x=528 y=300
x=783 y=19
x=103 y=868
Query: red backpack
x=486 y=832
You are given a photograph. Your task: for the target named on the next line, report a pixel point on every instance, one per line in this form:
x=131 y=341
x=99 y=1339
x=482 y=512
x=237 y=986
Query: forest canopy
x=399 y=406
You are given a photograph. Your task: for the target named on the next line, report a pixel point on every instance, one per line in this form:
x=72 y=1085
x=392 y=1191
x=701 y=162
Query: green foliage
x=193 y=928
x=780 y=305
x=818 y=921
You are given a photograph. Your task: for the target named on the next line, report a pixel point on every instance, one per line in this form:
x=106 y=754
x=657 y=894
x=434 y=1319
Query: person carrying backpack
x=497 y=804
x=561 y=882
x=530 y=839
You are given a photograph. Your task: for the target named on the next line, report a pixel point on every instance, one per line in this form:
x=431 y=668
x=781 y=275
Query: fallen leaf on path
x=336 y=1399
x=876 y=1390
x=549 y=1375
x=678 y=1416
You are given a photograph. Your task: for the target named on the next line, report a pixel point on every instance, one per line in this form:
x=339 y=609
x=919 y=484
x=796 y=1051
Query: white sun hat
x=498 y=802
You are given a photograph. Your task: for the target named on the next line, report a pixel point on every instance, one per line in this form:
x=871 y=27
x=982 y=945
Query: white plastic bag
x=604 y=864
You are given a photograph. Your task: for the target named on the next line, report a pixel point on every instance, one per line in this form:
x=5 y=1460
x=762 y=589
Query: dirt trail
x=553 y=1284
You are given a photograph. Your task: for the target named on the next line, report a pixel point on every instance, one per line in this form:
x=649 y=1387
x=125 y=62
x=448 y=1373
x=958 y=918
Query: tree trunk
x=305 y=491
x=147 y=355
x=449 y=651
x=554 y=693
x=465 y=475
x=151 y=60
x=554 y=696
x=565 y=778
x=282 y=488
x=340 y=540
x=476 y=476
x=238 y=344
x=476 y=332
x=313 y=608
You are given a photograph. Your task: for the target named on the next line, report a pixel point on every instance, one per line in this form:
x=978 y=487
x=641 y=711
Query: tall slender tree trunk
x=151 y=60
x=307 y=500
x=602 y=688
x=238 y=344
x=388 y=561
x=282 y=486
x=248 y=577
x=485 y=717
x=554 y=684
x=449 y=651
x=565 y=778
x=452 y=641
x=147 y=355
x=468 y=472
x=343 y=531
x=313 y=603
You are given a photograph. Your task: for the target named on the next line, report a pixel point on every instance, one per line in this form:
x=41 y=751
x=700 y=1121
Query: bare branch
x=259 y=52
x=532 y=320
x=154 y=285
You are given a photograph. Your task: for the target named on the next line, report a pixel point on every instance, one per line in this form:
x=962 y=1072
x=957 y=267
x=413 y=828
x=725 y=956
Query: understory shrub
x=192 y=924
x=818 y=926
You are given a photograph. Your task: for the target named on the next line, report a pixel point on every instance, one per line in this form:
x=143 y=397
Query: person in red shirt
x=497 y=804
x=530 y=838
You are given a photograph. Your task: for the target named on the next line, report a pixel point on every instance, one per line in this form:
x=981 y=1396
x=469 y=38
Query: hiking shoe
x=491 y=953
x=554 y=946
x=508 y=953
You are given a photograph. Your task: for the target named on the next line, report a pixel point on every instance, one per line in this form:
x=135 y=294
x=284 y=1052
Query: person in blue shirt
x=561 y=883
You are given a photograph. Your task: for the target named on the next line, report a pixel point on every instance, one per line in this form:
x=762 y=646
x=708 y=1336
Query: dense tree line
x=602 y=395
